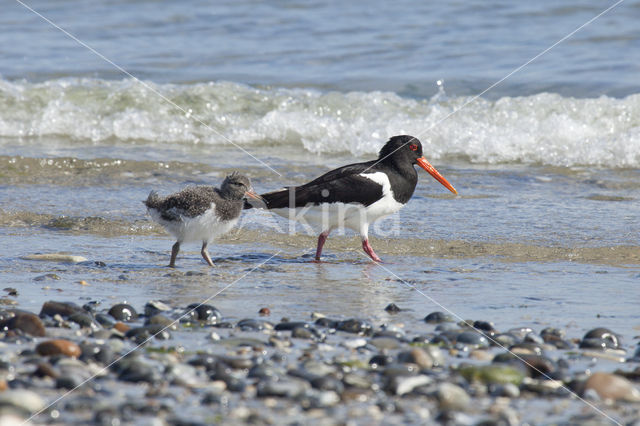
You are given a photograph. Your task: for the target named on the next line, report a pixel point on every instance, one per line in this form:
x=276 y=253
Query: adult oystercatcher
x=356 y=195
x=200 y=213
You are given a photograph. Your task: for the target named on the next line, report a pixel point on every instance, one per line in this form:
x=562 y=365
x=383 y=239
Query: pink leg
x=321 y=240
x=369 y=250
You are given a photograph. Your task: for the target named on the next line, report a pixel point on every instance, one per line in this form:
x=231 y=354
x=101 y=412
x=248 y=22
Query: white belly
x=328 y=216
x=205 y=227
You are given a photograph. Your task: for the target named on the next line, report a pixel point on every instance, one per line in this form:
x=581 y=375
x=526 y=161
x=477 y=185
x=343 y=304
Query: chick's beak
x=253 y=195
x=422 y=162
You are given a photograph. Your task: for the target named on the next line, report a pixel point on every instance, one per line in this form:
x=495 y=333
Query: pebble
x=326 y=322
x=438 y=317
x=252 y=324
x=7 y=302
x=435 y=353
x=400 y=385
x=58 y=347
x=608 y=338
x=452 y=397
x=25 y=322
x=204 y=313
x=556 y=337
x=327 y=383
x=357 y=380
x=302 y=333
x=526 y=348
x=520 y=332
x=105 y=320
x=354 y=326
x=160 y=319
x=47 y=277
x=121 y=327
x=55 y=257
x=123 y=312
x=286 y=388
x=324 y=399
x=392 y=308
x=288 y=326
x=505 y=340
x=155 y=307
x=44 y=369
x=354 y=343
x=472 y=338
x=396 y=369
x=28 y=402
x=101 y=353
x=612 y=387
x=416 y=356
x=533 y=338
x=135 y=370
x=237 y=361
x=537 y=365
x=185 y=375
x=485 y=326
x=264 y=372
x=481 y=355
x=492 y=374
x=64 y=309
x=380 y=360
x=508 y=390
x=142 y=334
x=387 y=343
x=84 y=320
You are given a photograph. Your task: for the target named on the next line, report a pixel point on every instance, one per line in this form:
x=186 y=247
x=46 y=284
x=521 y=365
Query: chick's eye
x=413 y=147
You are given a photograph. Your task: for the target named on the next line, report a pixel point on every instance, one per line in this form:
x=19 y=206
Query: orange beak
x=422 y=162
x=253 y=195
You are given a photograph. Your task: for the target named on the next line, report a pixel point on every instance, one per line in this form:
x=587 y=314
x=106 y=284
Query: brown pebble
x=59 y=347
x=26 y=322
x=3 y=385
x=264 y=311
x=121 y=327
x=422 y=358
x=611 y=386
x=64 y=309
x=45 y=369
x=416 y=356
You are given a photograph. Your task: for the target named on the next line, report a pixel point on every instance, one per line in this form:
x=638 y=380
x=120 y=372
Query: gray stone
x=452 y=397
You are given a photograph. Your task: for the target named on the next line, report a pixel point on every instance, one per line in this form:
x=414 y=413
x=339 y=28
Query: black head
x=403 y=148
x=235 y=186
x=402 y=152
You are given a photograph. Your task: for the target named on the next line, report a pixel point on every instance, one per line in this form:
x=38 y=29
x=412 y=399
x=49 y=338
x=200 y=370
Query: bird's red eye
x=413 y=147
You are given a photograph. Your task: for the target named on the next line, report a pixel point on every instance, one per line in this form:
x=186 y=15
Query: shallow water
x=526 y=253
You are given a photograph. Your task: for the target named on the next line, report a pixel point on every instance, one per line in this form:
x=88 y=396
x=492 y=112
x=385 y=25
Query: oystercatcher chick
x=200 y=213
x=356 y=195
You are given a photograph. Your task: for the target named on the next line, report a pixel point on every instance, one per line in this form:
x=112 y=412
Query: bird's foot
x=369 y=250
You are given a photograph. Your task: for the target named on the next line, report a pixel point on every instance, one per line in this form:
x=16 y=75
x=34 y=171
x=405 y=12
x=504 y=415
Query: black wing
x=344 y=185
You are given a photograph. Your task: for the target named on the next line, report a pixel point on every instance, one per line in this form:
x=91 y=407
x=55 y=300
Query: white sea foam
x=544 y=128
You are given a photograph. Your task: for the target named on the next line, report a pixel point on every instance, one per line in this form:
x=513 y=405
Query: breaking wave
x=544 y=129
